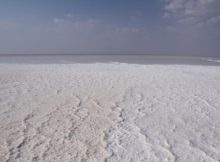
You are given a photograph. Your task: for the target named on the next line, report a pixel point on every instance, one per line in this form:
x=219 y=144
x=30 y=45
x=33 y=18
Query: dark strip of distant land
x=105 y=54
x=82 y=54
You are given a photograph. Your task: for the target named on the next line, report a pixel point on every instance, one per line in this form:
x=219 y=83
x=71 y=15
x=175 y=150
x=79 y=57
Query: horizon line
x=103 y=54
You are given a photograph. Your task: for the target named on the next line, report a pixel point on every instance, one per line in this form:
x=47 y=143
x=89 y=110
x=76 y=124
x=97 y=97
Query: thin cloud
x=193 y=12
x=214 y=20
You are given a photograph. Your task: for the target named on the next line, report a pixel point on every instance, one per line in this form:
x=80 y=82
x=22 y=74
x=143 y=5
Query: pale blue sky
x=165 y=27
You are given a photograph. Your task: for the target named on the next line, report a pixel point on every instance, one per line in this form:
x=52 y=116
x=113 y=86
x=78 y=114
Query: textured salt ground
x=109 y=112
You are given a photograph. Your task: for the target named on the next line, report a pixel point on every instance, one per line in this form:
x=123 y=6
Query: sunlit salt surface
x=214 y=60
x=54 y=110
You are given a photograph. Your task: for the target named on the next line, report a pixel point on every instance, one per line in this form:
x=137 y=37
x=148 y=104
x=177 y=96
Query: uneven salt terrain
x=109 y=112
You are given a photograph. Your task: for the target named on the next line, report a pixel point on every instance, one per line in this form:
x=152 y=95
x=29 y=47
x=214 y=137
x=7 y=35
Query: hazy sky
x=166 y=27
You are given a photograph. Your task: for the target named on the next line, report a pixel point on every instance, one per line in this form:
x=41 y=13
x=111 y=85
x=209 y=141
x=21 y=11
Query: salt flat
x=109 y=112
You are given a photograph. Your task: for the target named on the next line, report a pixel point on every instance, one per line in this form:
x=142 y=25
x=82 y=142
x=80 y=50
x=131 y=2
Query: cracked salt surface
x=109 y=112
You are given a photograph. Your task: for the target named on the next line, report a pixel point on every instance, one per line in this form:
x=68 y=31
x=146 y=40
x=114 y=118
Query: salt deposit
x=109 y=112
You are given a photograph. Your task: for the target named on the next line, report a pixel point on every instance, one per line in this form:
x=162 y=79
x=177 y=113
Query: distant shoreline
x=108 y=54
x=89 y=58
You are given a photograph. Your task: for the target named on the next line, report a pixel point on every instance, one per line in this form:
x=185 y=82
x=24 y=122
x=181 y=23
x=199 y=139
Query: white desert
x=113 y=112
